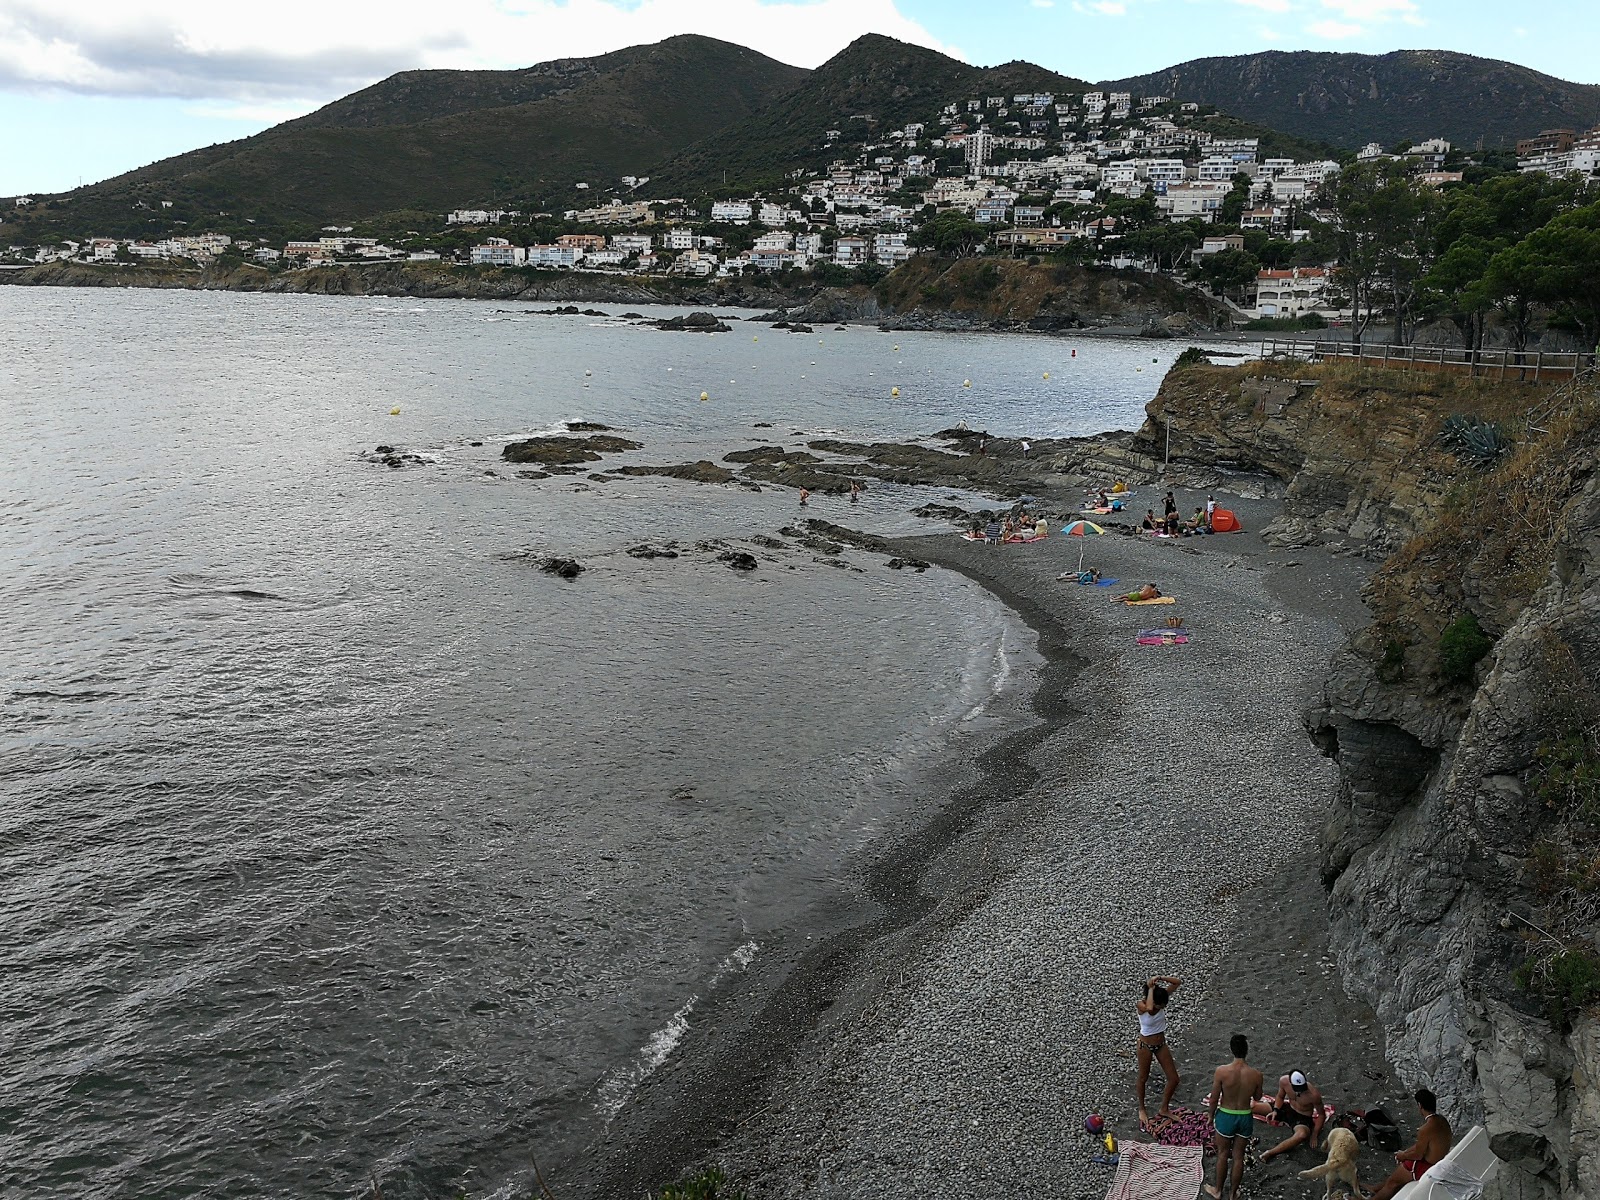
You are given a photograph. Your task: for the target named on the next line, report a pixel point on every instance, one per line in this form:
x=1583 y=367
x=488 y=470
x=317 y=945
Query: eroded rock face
x=1433 y=859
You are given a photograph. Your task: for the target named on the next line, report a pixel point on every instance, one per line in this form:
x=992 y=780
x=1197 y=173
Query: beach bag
x=1380 y=1130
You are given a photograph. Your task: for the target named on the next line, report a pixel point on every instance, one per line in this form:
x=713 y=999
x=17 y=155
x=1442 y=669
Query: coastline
x=979 y=995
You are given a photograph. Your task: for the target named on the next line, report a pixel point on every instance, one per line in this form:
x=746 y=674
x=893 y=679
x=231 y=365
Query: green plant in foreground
x=1477 y=442
x=1193 y=357
x=1568 y=981
x=1566 y=775
x=709 y=1184
x=1462 y=644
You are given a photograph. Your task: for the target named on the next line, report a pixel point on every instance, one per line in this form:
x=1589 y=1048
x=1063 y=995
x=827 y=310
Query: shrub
x=1462 y=644
x=1566 y=776
x=1481 y=443
x=1193 y=357
x=1568 y=981
x=1392 y=666
x=709 y=1184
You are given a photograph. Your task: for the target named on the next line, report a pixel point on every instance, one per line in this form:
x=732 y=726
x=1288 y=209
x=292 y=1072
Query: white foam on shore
x=616 y=1087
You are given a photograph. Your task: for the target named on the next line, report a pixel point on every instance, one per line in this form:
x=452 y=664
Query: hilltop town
x=1099 y=177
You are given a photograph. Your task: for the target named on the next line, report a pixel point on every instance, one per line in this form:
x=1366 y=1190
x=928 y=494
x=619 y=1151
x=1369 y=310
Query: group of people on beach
x=1237 y=1101
x=1019 y=523
x=1171 y=524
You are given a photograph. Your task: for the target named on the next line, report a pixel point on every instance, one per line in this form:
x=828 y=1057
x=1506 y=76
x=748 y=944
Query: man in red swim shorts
x=1432 y=1144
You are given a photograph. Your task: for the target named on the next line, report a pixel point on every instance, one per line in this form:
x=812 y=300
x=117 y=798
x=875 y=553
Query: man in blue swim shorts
x=1235 y=1087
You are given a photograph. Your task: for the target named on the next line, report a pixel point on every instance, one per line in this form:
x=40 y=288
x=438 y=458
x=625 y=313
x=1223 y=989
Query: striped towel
x=1157 y=1173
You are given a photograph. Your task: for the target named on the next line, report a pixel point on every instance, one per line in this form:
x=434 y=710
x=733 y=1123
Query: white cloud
x=1375 y=10
x=1334 y=31
x=1274 y=6
x=280 y=54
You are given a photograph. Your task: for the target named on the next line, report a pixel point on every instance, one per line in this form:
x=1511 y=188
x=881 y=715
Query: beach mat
x=1157 y=600
x=1181 y=1127
x=1163 y=637
x=1157 y=1173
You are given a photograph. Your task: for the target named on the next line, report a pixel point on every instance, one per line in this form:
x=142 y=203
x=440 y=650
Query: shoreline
x=776 y=1078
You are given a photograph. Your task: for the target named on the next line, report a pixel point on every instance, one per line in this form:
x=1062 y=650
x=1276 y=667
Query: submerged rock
x=583 y=427
x=567 y=568
x=738 y=560
x=645 y=550
x=695 y=322
x=695 y=472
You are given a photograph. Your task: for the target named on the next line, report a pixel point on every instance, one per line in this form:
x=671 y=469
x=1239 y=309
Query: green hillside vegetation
x=619 y=114
x=872 y=86
x=1351 y=99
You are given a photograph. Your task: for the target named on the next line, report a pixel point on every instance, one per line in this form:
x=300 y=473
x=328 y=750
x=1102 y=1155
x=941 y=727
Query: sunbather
x=1148 y=592
x=1432 y=1144
x=1297 y=1104
x=1149 y=523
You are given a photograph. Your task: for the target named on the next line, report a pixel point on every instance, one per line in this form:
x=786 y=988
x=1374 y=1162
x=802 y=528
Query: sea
x=340 y=845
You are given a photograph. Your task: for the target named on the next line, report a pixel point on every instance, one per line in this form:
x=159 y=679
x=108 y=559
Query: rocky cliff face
x=1463 y=857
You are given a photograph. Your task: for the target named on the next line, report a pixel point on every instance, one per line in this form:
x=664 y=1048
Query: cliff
x=1461 y=858
x=930 y=292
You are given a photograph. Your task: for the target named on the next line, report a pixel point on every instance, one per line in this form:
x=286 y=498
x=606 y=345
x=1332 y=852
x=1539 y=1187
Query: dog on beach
x=1341 y=1164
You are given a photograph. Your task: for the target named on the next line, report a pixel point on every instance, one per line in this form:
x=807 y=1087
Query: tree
x=1557 y=266
x=1455 y=288
x=950 y=235
x=1228 y=270
x=1234 y=203
x=1386 y=247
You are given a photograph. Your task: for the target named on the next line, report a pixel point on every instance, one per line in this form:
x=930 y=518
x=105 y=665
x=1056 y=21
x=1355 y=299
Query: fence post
x=1538 y=362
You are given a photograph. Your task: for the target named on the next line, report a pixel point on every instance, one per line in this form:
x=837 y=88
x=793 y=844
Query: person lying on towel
x=1148 y=592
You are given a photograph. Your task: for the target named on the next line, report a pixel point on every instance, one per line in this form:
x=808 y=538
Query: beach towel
x=1157 y=1173
x=1157 y=600
x=1107 y=582
x=1163 y=637
x=1181 y=1127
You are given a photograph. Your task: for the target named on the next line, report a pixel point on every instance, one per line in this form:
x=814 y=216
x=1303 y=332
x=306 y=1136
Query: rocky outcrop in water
x=566 y=451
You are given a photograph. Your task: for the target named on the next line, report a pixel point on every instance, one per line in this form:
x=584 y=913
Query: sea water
x=339 y=842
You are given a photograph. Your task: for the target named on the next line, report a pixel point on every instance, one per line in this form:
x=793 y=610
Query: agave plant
x=1473 y=440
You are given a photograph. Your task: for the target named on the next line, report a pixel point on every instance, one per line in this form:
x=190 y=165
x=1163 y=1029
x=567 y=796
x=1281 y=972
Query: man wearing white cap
x=1297 y=1104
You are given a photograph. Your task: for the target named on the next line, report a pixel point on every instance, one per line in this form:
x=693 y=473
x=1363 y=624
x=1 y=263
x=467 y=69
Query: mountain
x=1352 y=99
x=434 y=140
x=873 y=85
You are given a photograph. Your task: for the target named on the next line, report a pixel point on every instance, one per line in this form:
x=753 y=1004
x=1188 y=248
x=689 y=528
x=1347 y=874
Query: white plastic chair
x=1460 y=1175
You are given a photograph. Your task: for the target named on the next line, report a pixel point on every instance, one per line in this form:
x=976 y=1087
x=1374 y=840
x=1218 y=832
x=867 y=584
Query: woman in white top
x=1152 y=1010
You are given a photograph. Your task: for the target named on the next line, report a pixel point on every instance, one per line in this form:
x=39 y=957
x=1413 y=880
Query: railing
x=1518 y=366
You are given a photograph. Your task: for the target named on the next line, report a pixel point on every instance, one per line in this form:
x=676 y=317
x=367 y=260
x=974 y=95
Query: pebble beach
x=1159 y=815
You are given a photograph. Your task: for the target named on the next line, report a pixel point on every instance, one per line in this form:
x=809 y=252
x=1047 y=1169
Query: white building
x=850 y=251
x=105 y=249
x=890 y=249
x=563 y=257
x=497 y=252
x=773 y=243
x=678 y=238
x=731 y=212
x=474 y=216
x=1294 y=293
x=978 y=147
x=631 y=243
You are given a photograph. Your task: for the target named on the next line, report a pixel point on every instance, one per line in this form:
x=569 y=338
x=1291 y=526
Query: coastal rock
x=581 y=427
x=567 y=568
x=695 y=472
x=695 y=322
x=645 y=550
x=914 y=564
x=943 y=512
x=738 y=560
x=566 y=451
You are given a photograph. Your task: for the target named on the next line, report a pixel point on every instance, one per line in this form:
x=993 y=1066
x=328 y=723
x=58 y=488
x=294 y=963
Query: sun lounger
x=1459 y=1175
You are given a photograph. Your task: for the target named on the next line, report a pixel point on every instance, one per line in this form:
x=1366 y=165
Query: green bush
x=1568 y=981
x=1462 y=644
x=1193 y=357
x=1566 y=776
x=709 y=1184
x=1392 y=667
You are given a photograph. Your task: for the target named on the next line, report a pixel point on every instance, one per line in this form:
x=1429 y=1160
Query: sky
x=92 y=88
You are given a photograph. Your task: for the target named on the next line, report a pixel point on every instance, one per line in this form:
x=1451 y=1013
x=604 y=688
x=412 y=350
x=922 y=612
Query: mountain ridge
x=1350 y=99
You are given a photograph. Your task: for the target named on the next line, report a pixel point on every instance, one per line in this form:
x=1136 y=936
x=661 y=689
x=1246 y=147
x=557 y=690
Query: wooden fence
x=1517 y=366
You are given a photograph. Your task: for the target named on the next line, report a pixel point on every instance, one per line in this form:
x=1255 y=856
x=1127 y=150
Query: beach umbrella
x=1082 y=529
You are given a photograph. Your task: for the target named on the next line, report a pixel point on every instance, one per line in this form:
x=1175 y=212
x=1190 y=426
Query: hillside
x=1352 y=99
x=433 y=140
x=873 y=85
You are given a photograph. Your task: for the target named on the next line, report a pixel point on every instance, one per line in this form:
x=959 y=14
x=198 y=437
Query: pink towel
x=1157 y=1173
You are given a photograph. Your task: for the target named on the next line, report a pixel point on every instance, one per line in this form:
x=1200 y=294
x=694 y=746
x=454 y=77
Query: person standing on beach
x=1024 y=447
x=1235 y=1088
x=805 y=495
x=855 y=491
x=1152 y=1010
x=1211 y=509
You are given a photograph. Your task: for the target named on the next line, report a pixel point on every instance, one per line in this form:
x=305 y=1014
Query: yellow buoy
x=897 y=347
x=704 y=396
x=394 y=412
x=755 y=339
x=894 y=391
x=966 y=383
x=1047 y=374
x=586 y=374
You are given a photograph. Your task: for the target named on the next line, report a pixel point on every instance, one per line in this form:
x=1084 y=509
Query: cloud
x=1334 y=31
x=280 y=54
x=1106 y=8
x=1369 y=11
x=1274 y=6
